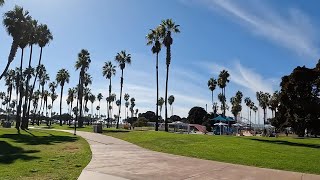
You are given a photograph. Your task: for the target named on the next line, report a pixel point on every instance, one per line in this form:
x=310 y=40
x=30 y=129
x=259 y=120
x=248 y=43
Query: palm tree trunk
x=212 y=99
x=166 y=101
x=24 y=120
x=80 y=100
x=18 y=117
x=157 y=75
x=34 y=83
x=121 y=86
x=108 y=103
x=61 y=104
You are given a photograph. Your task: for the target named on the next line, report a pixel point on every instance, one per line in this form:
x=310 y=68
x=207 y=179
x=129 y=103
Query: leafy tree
x=122 y=59
x=62 y=77
x=149 y=115
x=196 y=115
x=167 y=27
x=236 y=104
x=154 y=37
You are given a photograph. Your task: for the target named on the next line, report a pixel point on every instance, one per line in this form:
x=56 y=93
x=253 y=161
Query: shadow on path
x=9 y=153
x=288 y=143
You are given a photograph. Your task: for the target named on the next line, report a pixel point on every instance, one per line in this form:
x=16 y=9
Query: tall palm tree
x=248 y=101
x=122 y=59
x=171 y=101
x=44 y=36
x=82 y=64
x=160 y=103
x=46 y=94
x=33 y=38
x=62 y=77
x=53 y=97
x=168 y=27
x=212 y=83
x=15 y=22
x=136 y=112
x=153 y=38
x=126 y=98
x=108 y=70
x=222 y=83
x=274 y=103
x=263 y=99
x=100 y=97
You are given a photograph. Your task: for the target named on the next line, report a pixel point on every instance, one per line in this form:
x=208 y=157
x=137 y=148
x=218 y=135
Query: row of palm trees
x=265 y=99
x=162 y=35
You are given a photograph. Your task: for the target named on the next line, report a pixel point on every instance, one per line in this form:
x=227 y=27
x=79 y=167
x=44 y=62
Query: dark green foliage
x=299 y=101
x=149 y=115
x=196 y=115
x=141 y=122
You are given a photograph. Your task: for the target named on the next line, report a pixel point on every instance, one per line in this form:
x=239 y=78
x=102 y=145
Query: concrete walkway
x=115 y=159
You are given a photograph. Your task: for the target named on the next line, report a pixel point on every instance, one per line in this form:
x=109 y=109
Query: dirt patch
x=71 y=148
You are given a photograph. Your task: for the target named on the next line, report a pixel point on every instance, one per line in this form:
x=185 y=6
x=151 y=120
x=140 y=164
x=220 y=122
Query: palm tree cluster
x=26 y=32
x=162 y=35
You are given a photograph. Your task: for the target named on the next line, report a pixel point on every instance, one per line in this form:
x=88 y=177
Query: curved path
x=119 y=160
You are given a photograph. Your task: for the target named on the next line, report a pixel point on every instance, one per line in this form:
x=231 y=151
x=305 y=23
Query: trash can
x=97 y=128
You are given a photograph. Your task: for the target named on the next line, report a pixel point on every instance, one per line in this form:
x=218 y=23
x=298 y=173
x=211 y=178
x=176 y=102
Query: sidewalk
x=115 y=159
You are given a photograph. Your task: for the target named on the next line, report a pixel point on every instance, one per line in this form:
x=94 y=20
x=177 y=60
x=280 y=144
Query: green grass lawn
x=300 y=155
x=41 y=154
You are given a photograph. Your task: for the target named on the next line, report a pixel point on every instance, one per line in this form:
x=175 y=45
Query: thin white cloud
x=293 y=30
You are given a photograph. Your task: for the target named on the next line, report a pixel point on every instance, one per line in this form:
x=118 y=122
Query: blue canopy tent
x=219 y=118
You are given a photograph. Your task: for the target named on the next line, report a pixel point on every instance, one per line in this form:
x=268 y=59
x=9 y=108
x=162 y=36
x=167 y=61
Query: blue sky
x=256 y=41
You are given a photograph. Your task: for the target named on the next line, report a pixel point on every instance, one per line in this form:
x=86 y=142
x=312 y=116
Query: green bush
x=142 y=121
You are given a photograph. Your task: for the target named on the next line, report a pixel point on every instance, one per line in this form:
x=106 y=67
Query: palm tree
x=71 y=95
x=212 y=83
x=154 y=38
x=42 y=81
x=118 y=103
x=136 y=113
x=15 y=22
x=45 y=98
x=171 y=101
x=62 y=77
x=53 y=97
x=263 y=99
x=1 y=2
x=99 y=97
x=160 y=103
x=274 y=103
x=82 y=63
x=108 y=70
x=2 y=95
x=222 y=83
x=167 y=27
x=44 y=36
x=92 y=99
x=248 y=101
x=255 y=109
x=126 y=98
x=236 y=104
x=133 y=104
x=122 y=59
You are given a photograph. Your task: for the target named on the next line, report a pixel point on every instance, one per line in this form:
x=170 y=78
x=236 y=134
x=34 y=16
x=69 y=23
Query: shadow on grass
x=114 y=131
x=9 y=153
x=38 y=140
x=288 y=143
